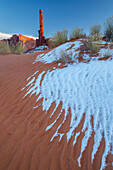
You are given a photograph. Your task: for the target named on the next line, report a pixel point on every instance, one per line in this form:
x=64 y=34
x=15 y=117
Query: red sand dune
x=24 y=144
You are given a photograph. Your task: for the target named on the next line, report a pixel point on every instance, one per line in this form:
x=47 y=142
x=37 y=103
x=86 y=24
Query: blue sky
x=22 y=16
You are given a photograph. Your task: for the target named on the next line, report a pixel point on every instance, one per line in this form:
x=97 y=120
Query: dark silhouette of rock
x=14 y=39
x=29 y=44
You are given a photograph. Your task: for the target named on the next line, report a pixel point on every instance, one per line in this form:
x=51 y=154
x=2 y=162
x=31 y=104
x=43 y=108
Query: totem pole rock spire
x=42 y=40
x=41 y=22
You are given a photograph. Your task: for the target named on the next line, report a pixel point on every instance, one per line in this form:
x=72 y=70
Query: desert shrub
x=19 y=49
x=96 y=37
x=59 y=38
x=95 y=33
x=77 y=33
x=90 y=46
x=64 y=57
x=5 y=47
x=12 y=47
x=95 y=30
x=108 y=29
x=107 y=53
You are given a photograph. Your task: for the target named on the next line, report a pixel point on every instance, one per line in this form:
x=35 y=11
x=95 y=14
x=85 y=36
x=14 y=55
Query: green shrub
x=108 y=29
x=107 y=53
x=64 y=57
x=5 y=47
x=95 y=30
x=96 y=37
x=19 y=49
x=95 y=33
x=77 y=33
x=90 y=46
x=59 y=38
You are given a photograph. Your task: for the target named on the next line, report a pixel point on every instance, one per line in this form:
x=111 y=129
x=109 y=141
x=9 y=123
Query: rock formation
x=41 y=23
x=14 y=40
x=42 y=40
x=28 y=43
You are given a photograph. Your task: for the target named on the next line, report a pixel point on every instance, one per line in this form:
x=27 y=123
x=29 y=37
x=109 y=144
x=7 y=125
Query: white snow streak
x=52 y=55
x=84 y=88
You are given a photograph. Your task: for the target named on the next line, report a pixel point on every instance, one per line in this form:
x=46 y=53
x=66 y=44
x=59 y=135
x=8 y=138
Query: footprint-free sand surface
x=25 y=142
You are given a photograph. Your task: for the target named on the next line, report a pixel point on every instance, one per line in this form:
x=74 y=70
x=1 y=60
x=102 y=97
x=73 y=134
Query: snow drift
x=84 y=88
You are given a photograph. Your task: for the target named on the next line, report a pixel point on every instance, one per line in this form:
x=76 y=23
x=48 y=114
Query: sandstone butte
x=24 y=38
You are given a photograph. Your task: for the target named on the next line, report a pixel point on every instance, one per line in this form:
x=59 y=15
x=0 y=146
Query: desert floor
x=24 y=143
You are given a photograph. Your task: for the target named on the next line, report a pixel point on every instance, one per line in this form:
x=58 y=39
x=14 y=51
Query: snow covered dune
x=84 y=88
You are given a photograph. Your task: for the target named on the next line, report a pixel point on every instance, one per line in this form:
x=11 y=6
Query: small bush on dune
x=59 y=38
x=107 y=53
x=96 y=37
x=108 y=30
x=64 y=57
x=90 y=46
x=5 y=47
x=95 y=29
x=19 y=49
x=95 y=33
x=77 y=33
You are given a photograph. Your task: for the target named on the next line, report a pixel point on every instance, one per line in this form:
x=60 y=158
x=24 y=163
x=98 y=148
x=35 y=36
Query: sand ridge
x=24 y=142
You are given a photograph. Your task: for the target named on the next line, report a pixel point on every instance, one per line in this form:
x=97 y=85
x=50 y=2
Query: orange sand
x=24 y=144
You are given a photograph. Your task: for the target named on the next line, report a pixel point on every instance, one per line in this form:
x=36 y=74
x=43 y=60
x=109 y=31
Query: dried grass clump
x=77 y=33
x=90 y=46
x=64 y=57
x=59 y=38
x=95 y=33
x=7 y=48
x=19 y=49
x=95 y=29
x=107 y=54
x=96 y=37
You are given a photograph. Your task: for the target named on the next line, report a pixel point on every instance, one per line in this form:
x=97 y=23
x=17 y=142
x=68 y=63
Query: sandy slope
x=24 y=143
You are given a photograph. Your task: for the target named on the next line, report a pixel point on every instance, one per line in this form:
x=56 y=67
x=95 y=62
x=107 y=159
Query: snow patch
x=38 y=49
x=56 y=53
x=84 y=88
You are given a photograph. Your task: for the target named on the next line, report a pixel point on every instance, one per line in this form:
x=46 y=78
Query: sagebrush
x=95 y=37
x=107 y=53
x=90 y=46
x=77 y=33
x=64 y=57
x=7 y=48
x=95 y=29
x=59 y=38
x=108 y=29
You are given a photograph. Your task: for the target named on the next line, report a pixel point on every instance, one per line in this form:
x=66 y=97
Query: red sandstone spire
x=41 y=22
x=42 y=40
